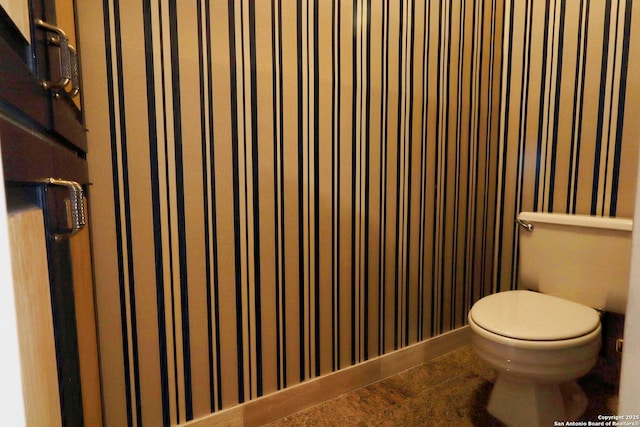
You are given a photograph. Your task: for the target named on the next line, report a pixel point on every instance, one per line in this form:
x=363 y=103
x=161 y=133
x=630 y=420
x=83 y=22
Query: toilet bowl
x=537 y=364
x=544 y=336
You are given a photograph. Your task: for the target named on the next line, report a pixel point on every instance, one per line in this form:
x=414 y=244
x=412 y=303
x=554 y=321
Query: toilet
x=546 y=334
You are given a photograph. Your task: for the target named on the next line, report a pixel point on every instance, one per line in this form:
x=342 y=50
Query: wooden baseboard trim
x=293 y=399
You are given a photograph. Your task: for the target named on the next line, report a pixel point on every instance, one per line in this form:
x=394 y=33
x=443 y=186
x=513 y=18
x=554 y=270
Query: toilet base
x=518 y=402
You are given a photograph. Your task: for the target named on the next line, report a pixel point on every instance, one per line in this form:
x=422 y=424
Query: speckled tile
x=451 y=390
x=459 y=401
x=466 y=359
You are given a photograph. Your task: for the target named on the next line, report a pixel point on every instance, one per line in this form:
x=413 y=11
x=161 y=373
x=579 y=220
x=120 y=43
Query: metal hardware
x=619 y=343
x=75 y=205
x=526 y=225
x=75 y=77
x=68 y=66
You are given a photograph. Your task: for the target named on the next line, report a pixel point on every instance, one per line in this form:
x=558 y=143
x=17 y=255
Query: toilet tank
x=581 y=258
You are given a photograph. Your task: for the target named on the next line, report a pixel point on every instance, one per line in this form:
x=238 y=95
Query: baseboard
x=293 y=399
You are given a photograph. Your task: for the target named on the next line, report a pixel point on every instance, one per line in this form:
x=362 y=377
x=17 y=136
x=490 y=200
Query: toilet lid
x=533 y=316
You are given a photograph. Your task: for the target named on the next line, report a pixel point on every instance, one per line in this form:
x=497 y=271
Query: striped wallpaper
x=283 y=189
x=568 y=86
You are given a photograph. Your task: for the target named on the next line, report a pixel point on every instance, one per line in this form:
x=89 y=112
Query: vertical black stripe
x=441 y=194
x=436 y=180
x=308 y=194
x=365 y=75
x=505 y=139
x=214 y=209
x=472 y=144
x=245 y=170
x=578 y=90
x=276 y=214
x=455 y=140
x=354 y=100
x=182 y=244
x=334 y=274
x=423 y=169
x=216 y=284
x=397 y=266
x=361 y=161
x=214 y=213
x=384 y=66
x=445 y=173
x=236 y=200
x=155 y=201
x=205 y=207
x=543 y=80
x=456 y=198
x=316 y=178
x=168 y=220
x=482 y=274
x=522 y=132
x=556 y=118
x=357 y=174
x=339 y=187
x=131 y=275
x=301 y=277
x=475 y=284
x=356 y=190
x=205 y=187
x=127 y=213
x=409 y=161
x=476 y=280
x=621 y=108
x=579 y=137
x=256 y=196
x=464 y=137
x=421 y=219
x=402 y=130
x=172 y=283
x=118 y=210
x=367 y=182
x=601 y=100
x=282 y=218
x=548 y=113
x=495 y=284
x=613 y=74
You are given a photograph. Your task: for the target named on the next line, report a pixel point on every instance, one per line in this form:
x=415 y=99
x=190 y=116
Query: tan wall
x=565 y=143
x=284 y=189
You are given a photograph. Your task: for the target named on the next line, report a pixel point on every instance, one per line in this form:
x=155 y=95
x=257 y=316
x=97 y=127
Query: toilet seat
x=530 y=316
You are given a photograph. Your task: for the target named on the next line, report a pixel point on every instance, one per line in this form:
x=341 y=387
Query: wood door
x=35 y=322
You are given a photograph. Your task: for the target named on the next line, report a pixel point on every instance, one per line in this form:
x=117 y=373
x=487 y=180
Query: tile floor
x=450 y=390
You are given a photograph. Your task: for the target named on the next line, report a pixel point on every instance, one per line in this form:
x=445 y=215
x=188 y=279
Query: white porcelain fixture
x=541 y=342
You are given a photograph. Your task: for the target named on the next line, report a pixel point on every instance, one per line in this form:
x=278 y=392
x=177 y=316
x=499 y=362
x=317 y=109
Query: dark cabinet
x=40 y=77
x=44 y=147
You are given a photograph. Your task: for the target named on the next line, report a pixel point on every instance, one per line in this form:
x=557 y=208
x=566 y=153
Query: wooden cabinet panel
x=42 y=137
x=86 y=321
x=67 y=123
x=25 y=67
x=26 y=157
x=21 y=89
x=35 y=323
x=29 y=156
